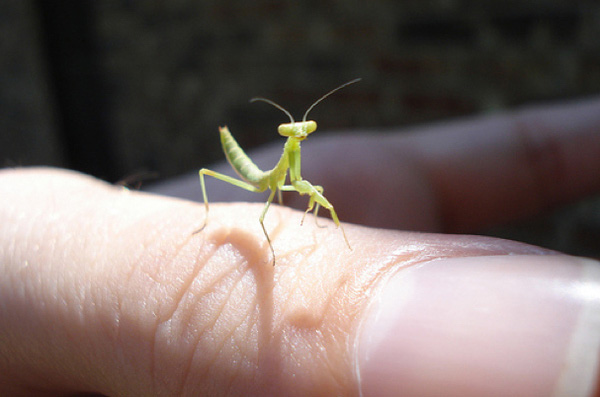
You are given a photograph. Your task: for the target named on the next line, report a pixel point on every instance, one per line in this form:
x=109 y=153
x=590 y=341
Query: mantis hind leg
x=224 y=178
x=262 y=224
x=243 y=185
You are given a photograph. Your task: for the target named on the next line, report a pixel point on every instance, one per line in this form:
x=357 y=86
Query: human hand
x=106 y=290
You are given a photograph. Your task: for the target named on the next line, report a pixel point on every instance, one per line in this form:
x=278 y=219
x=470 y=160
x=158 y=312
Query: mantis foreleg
x=316 y=196
x=311 y=203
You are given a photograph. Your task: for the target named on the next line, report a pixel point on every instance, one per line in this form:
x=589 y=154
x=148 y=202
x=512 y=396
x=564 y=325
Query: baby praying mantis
x=256 y=180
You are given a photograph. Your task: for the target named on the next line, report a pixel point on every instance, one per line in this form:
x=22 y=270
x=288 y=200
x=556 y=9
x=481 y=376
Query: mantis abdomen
x=239 y=160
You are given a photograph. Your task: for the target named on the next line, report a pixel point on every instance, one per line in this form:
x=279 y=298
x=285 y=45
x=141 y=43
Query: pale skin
x=105 y=290
x=256 y=180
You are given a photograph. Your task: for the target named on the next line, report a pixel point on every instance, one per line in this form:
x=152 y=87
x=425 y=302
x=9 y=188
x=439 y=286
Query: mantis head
x=300 y=130
x=297 y=130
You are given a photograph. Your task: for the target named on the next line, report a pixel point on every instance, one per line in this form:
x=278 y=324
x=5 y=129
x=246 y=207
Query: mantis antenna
x=326 y=95
x=270 y=102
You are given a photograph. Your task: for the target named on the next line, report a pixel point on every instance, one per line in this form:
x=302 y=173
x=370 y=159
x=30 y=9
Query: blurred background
x=126 y=89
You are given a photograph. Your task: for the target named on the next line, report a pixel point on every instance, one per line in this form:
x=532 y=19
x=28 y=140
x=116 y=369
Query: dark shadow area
x=73 y=57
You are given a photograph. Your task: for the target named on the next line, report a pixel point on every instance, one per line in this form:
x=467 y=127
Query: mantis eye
x=299 y=130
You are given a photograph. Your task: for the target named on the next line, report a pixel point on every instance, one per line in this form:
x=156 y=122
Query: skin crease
x=107 y=290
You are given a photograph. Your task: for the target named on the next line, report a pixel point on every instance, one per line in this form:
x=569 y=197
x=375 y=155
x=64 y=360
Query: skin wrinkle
x=318 y=314
x=214 y=281
x=137 y=267
x=313 y=245
x=229 y=336
x=249 y=319
x=232 y=239
x=186 y=285
x=331 y=365
x=329 y=299
x=196 y=350
x=189 y=362
x=297 y=322
x=251 y=330
x=229 y=333
x=309 y=249
x=296 y=287
x=178 y=298
x=148 y=254
x=135 y=263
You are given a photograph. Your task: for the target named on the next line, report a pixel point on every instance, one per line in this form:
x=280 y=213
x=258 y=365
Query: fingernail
x=502 y=325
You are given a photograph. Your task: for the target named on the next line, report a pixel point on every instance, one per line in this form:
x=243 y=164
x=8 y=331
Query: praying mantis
x=256 y=180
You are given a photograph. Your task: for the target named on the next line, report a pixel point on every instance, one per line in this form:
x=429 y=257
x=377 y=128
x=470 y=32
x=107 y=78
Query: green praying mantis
x=256 y=180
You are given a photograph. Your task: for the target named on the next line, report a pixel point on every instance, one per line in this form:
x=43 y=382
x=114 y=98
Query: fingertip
x=502 y=325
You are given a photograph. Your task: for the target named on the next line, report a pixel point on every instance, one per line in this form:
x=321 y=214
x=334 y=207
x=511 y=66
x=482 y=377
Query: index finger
x=506 y=167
